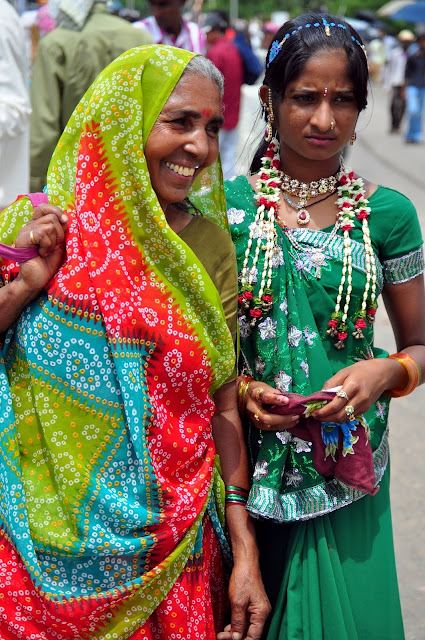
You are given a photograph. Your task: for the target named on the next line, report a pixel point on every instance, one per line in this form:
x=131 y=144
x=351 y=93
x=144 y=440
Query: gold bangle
x=244 y=381
x=413 y=371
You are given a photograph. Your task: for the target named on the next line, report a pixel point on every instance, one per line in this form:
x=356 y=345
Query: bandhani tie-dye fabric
x=109 y=489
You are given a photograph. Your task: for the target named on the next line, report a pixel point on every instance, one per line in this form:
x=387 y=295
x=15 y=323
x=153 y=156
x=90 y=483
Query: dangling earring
x=268 y=134
x=353 y=138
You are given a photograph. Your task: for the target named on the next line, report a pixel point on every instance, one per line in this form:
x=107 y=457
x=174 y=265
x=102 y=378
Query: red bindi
x=206 y=113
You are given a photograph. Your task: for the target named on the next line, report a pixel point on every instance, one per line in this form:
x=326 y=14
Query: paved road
x=385 y=159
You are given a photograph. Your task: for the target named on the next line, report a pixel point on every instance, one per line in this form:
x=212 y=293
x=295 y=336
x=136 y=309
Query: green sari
x=334 y=542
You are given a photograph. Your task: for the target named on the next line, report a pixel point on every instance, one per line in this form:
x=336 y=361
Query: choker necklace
x=352 y=205
x=306 y=191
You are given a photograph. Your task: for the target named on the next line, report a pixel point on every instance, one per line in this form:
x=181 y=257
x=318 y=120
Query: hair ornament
x=276 y=45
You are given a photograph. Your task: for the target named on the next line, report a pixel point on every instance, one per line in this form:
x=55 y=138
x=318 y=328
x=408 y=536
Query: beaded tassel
x=267 y=198
x=353 y=203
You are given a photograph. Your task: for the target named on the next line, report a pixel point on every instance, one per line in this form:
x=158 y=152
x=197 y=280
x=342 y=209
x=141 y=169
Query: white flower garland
x=352 y=203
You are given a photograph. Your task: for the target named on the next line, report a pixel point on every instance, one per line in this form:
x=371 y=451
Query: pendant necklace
x=305 y=191
x=303 y=216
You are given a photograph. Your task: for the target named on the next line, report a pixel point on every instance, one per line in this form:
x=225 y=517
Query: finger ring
x=266 y=426
x=257 y=393
x=349 y=410
x=256 y=417
x=342 y=394
x=33 y=240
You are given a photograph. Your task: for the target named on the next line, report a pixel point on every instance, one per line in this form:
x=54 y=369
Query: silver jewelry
x=342 y=394
x=349 y=410
x=306 y=191
x=316 y=253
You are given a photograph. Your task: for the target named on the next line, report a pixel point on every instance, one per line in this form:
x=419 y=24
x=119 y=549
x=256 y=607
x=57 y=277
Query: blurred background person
x=68 y=60
x=28 y=19
x=14 y=107
x=376 y=50
x=226 y=57
x=269 y=31
x=415 y=91
x=252 y=67
x=394 y=77
x=44 y=21
x=166 y=26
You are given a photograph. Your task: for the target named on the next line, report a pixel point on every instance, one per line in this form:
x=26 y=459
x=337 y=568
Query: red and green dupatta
x=107 y=461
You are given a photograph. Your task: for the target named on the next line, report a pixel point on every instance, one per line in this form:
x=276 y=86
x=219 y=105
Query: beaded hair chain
x=276 y=45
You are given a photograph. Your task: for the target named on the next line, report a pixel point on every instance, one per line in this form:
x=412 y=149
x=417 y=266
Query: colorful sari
x=110 y=497
x=331 y=552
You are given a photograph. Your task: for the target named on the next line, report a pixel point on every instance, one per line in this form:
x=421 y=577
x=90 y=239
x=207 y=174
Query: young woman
x=118 y=384
x=316 y=245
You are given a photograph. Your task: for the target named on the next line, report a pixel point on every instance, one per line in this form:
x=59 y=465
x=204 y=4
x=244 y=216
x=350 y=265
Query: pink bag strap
x=24 y=254
x=37 y=198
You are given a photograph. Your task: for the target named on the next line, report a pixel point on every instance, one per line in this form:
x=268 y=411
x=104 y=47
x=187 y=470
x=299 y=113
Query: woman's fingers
x=339 y=410
x=47 y=232
x=260 y=398
x=49 y=209
x=50 y=224
x=263 y=394
x=266 y=421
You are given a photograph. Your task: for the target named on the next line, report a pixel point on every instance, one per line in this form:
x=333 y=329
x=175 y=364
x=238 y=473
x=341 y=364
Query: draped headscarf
x=107 y=460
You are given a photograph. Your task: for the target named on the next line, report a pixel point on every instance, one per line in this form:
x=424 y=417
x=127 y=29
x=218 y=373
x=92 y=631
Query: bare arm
x=47 y=229
x=249 y=603
x=365 y=381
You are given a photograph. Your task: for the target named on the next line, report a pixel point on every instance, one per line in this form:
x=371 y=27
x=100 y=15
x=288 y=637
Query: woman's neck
x=306 y=170
x=177 y=219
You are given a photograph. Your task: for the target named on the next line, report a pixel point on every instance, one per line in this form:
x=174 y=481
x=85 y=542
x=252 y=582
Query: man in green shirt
x=68 y=59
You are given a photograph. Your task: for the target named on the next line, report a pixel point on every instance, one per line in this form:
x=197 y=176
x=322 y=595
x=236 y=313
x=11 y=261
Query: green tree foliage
x=263 y=8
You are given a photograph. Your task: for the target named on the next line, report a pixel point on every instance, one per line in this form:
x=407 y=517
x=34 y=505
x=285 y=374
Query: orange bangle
x=414 y=374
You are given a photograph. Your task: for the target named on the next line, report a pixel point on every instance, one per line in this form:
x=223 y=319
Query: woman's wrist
x=14 y=297
x=244 y=382
x=409 y=375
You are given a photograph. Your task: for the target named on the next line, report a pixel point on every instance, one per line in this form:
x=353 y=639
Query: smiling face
x=184 y=139
x=318 y=113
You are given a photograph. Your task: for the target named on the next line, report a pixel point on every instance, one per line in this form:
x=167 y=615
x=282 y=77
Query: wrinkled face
x=167 y=13
x=184 y=139
x=318 y=113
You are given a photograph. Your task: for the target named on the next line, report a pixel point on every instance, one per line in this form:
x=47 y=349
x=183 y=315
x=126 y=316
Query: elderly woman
x=118 y=374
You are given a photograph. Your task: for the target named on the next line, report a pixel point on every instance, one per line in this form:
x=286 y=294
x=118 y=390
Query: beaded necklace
x=352 y=203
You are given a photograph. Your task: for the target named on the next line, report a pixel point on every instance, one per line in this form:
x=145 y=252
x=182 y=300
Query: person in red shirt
x=226 y=57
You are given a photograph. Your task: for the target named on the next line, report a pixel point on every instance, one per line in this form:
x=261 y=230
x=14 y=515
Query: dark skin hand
x=365 y=381
x=249 y=604
x=48 y=226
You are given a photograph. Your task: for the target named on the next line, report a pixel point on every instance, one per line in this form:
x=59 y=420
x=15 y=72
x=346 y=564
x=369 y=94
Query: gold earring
x=353 y=138
x=268 y=134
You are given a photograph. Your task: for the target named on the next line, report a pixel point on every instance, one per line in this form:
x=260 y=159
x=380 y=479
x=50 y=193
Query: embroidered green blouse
x=290 y=350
